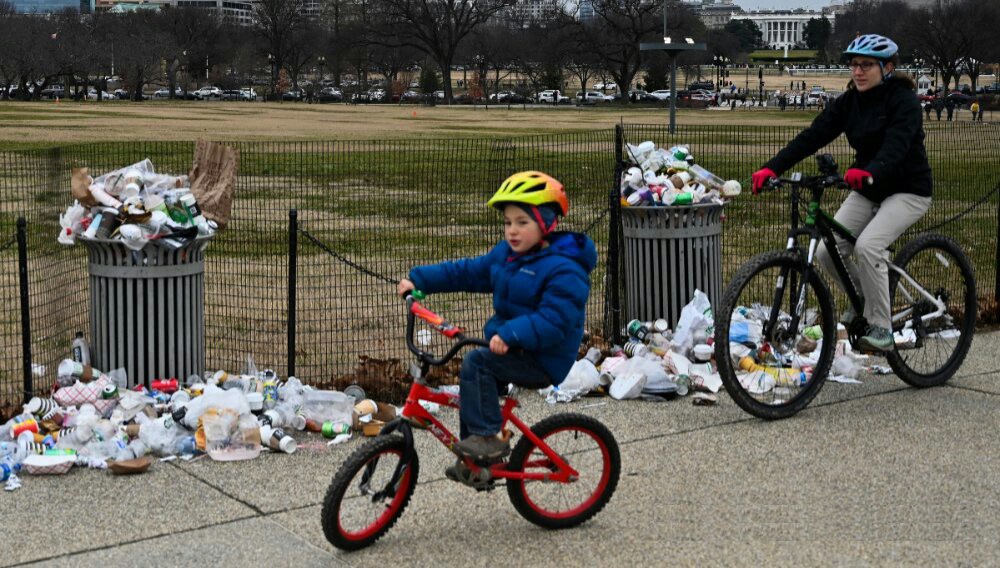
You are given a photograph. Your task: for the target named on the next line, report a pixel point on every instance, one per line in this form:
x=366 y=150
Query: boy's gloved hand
x=759 y=178
x=498 y=346
x=405 y=285
x=857 y=178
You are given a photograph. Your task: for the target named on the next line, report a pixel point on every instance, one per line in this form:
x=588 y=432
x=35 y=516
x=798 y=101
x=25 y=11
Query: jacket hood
x=576 y=246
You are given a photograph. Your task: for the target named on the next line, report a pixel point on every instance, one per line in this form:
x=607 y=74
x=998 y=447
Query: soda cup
x=637 y=330
x=635 y=349
x=168 y=386
x=40 y=406
x=334 y=429
x=22 y=425
x=277 y=439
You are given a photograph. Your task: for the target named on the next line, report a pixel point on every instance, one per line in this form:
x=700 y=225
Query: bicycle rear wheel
x=786 y=366
x=929 y=352
x=361 y=505
x=589 y=448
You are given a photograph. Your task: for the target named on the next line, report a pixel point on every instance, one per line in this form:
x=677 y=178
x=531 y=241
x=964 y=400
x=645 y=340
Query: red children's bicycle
x=561 y=472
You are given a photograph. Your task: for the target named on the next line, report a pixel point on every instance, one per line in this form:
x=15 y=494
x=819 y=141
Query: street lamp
x=206 y=68
x=270 y=62
x=322 y=61
x=717 y=63
x=760 y=76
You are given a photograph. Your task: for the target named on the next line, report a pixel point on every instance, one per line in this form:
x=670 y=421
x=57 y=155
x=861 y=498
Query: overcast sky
x=782 y=4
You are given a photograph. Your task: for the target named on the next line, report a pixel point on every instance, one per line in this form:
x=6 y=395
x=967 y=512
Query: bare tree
x=980 y=20
x=937 y=34
x=435 y=27
x=143 y=43
x=277 y=22
x=619 y=27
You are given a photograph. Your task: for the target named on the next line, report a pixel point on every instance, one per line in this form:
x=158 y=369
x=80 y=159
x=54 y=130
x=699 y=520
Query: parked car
x=206 y=93
x=593 y=97
x=92 y=95
x=249 y=94
x=232 y=95
x=292 y=95
x=640 y=96
x=550 y=97
x=165 y=93
x=702 y=95
x=410 y=97
x=661 y=94
x=701 y=86
x=439 y=95
x=52 y=92
x=815 y=96
x=329 y=95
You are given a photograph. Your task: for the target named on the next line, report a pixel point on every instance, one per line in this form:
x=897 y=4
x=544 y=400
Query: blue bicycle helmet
x=874 y=46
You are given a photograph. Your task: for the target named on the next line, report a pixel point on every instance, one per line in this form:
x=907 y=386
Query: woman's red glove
x=760 y=177
x=857 y=178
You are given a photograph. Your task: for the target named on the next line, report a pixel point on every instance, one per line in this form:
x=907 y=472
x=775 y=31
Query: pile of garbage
x=658 y=363
x=93 y=420
x=136 y=206
x=670 y=177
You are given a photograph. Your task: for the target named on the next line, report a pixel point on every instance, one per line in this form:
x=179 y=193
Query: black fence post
x=996 y=262
x=293 y=259
x=614 y=228
x=22 y=270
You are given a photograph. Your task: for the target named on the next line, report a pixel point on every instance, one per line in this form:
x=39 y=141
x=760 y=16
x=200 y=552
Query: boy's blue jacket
x=539 y=298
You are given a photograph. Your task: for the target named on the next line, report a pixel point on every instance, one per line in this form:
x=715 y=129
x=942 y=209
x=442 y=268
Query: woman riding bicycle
x=540 y=281
x=890 y=176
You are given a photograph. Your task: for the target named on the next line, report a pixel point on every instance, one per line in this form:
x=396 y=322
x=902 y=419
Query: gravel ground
x=877 y=473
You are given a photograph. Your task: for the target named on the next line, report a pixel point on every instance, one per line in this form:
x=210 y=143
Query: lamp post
x=673 y=50
x=760 y=76
x=206 y=68
x=270 y=62
x=321 y=60
x=716 y=62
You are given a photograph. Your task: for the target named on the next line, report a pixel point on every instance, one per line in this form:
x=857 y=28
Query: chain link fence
x=369 y=210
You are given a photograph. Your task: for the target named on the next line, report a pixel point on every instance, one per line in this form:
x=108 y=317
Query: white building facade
x=784 y=28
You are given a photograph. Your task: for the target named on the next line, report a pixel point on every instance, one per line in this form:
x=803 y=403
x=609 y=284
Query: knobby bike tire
x=342 y=482
x=969 y=300
x=608 y=481
x=793 y=261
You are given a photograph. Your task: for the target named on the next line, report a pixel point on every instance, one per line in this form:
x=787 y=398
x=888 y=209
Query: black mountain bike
x=779 y=298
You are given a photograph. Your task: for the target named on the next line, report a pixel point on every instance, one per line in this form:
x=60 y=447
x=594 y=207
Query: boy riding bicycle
x=540 y=281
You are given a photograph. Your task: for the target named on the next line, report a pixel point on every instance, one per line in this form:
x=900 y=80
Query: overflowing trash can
x=669 y=253
x=147 y=309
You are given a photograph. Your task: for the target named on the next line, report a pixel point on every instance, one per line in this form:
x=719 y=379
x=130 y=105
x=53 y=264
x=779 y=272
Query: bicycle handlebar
x=415 y=310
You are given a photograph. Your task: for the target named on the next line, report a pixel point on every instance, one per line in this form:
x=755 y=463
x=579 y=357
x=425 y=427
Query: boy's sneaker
x=877 y=339
x=483 y=448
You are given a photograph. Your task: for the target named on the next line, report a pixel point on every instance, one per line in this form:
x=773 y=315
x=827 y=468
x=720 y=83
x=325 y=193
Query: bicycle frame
x=820 y=225
x=414 y=415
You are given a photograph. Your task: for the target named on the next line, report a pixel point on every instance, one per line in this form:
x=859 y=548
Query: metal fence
x=369 y=210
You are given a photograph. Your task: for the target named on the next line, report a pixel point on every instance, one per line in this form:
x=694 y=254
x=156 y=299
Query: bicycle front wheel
x=775 y=335
x=362 y=504
x=589 y=448
x=932 y=342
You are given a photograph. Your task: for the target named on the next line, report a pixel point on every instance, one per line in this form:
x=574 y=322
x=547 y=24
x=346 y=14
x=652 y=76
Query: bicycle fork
x=788 y=280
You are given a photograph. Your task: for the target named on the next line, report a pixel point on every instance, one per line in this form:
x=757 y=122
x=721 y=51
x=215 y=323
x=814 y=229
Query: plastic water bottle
x=81 y=350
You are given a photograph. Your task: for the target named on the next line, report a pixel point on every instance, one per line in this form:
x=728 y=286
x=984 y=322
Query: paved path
x=877 y=473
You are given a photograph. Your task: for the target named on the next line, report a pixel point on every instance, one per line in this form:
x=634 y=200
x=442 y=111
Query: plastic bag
x=742 y=330
x=582 y=376
x=656 y=376
x=696 y=315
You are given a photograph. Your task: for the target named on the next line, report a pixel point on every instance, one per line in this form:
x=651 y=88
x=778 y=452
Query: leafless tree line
x=484 y=38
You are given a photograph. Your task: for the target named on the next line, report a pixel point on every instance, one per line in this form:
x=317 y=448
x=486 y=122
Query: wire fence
x=370 y=210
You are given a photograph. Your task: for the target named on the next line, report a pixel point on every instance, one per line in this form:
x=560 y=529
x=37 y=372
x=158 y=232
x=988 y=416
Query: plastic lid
x=703 y=352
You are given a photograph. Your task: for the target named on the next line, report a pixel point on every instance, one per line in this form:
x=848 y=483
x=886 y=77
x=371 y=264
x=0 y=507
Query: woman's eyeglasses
x=863 y=65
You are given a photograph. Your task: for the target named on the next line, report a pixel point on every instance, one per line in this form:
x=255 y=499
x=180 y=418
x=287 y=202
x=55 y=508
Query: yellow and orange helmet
x=532 y=188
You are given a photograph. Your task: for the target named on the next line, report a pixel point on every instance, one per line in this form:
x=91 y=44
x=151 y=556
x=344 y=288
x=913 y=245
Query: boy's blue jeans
x=483 y=376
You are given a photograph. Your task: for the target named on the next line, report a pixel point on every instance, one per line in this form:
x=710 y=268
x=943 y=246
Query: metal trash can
x=669 y=253
x=147 y=309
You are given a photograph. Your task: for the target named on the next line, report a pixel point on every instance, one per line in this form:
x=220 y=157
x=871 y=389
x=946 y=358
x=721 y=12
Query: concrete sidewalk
x=869 y=474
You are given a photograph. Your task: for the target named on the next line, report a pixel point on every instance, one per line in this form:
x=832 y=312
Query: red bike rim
x=387 y=515
x=594 y=496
